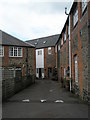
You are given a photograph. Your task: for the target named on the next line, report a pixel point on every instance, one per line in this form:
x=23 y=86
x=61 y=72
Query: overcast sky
x=26 y=19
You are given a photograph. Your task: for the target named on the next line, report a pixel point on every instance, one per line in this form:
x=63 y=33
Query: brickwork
x=49 y=60
x=79 y=37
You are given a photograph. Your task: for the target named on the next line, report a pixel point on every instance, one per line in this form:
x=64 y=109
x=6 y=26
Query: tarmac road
x=44 y=99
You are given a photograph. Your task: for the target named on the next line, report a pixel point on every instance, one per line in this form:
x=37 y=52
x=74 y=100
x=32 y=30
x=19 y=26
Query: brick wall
x=79 y=36
x=11 y=83
x=49 y=60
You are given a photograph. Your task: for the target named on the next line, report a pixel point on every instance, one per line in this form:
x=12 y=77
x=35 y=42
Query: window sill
x=15 y=56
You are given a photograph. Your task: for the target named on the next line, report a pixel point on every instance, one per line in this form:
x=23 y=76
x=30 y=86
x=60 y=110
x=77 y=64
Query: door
x=49 y=72
x=40 y=74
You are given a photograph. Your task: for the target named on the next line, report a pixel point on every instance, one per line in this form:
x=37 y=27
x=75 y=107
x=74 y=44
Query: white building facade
x=40 y=63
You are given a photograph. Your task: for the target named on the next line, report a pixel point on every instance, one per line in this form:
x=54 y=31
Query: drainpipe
x=69 y=53
x=69 y=47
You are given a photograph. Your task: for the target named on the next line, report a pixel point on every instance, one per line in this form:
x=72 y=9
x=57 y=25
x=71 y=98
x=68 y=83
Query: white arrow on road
x=26 y=100
x=43 y=100
x=59 y=101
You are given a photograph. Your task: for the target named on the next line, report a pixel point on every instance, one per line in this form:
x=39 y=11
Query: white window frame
x=49 y=50
x=39 y=52
x=76 y=69
x=61 y=41
x=56 y=49
x=64 y=36
x=13 y=52
x=84 y=5
x=59 y=47
x=2 y=51
x=75 y=17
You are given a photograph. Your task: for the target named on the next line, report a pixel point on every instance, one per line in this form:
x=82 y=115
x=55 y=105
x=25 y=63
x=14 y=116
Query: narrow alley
x=44 y=99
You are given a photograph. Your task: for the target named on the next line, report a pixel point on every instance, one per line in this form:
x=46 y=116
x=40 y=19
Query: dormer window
x=35 y=43
x=44 y=42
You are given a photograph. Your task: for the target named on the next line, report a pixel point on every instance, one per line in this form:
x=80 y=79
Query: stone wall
x=13 y=85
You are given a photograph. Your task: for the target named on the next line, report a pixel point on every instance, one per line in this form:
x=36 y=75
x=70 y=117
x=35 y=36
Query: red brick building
x=17 y=64
x=73 y=49
x=45 y=56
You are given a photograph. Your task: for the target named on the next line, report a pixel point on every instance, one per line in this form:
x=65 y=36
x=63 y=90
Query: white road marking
x=43 y=100
x=59 y=101
x=26 y=100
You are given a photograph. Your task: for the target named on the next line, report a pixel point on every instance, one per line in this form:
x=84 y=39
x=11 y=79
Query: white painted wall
x=40 y=59
x=39 y=62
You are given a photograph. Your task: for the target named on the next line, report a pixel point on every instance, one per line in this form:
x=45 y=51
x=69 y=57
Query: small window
x=61 y=41
x=75 y=17
x=49 y=50
x=40 y=52
x=84 y=5
x=35 y=43
x=76 y=68
x=58 y=47
x=44 y=42
x=64 y=36
x=1 y=51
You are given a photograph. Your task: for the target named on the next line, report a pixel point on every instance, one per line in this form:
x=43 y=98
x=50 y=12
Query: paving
x=44 y=99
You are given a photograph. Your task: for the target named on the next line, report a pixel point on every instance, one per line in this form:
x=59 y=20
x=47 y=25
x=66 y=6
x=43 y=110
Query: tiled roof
x=44 y=41
x=12 y=41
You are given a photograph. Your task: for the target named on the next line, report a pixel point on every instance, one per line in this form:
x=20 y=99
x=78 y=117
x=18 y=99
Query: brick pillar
x=88 y=10
x=6 y=56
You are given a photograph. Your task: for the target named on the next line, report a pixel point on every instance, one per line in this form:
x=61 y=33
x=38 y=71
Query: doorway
x=49 y=72
x=40 y=73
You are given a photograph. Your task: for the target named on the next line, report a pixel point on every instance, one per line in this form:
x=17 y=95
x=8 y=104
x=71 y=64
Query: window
x=15 y=52
x=40 y=52
x=76 y=69
x=75 y=17
x=44 y=42
x=64 y=36
x=61 y=41
x=84 y=5
x=58 y=47
x=1 y=51
x=49 y=50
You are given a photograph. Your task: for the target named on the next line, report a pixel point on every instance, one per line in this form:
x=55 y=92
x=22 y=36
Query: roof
x=12 y=41
x=44 y=42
